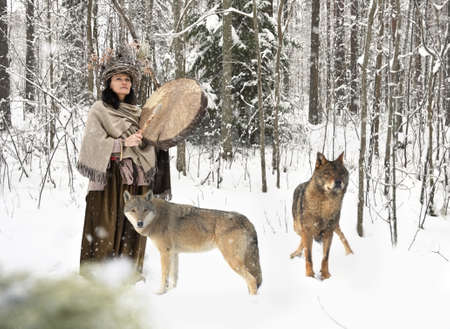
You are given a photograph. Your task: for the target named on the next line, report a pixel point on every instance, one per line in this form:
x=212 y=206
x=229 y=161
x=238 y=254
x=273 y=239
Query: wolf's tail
x=252 y=258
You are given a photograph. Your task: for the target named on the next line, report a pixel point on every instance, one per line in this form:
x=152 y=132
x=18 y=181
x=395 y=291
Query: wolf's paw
x=310 y=274
x=161 y=291
x=295 y=254
x=324 y=275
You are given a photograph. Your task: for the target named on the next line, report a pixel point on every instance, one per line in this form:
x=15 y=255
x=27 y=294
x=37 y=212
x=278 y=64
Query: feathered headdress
x=124 y=59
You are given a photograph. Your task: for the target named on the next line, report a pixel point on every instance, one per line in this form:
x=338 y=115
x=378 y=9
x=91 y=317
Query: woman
x=115 y=159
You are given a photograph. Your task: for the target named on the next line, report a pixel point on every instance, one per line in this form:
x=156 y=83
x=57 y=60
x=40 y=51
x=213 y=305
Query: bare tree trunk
x=72 y=49
x=149 y=35
x=5 y=110
x=276 y=144
x=54 y=108
x=394 y=92
x=339 y=56
x=429 y=171
x=124 y=19
x=227 y=102
x=314 y=102
x=122 y=29
x=97 y=50
x=149 y=48
x=418 y=80
x=329 y=61
x=362 y=149
x=447 y=71
x=179 y=73
x=287 y=13
x=260 y=105
x=394 y=100
x=408 y=42
x=90 y=46
x=374 y=138
x=393 y=215
x=30 y=59
x=354 y=49
x=395 y=70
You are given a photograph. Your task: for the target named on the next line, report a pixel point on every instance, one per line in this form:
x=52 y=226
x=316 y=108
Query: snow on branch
x=211 y=12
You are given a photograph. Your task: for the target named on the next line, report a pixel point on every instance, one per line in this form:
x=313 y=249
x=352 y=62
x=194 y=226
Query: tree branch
x=127 y=21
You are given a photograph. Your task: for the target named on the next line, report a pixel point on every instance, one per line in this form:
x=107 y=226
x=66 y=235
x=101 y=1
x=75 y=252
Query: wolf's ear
x=148 y=196
x=341 y=158
x=320 y=160
x=126 y=196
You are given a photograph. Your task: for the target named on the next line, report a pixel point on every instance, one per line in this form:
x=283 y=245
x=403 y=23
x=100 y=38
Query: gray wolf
x=316 y=209
x=176 y=228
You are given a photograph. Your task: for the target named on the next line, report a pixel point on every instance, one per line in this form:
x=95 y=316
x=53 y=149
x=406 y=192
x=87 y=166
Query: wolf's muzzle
x=140 y=223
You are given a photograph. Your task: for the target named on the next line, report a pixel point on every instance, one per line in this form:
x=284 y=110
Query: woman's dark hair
x=110 y=97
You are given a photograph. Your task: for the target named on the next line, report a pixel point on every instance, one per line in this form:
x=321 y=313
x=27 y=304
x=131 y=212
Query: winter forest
x=284 y=79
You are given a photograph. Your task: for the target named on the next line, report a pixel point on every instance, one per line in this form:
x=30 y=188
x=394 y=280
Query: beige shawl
x=104 y=125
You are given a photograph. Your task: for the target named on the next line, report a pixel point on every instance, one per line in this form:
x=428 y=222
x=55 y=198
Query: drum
x=171 y=112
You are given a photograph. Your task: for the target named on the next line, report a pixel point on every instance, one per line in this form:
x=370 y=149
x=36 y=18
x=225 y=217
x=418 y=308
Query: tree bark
x=260 y=105
x=394 y=73
x=375 y=113
x=30 y=58
x=339 y=56
x=378 y=79
x=447 y=71
x=97 y=50
x=179 y=73
x=362 y=149
x=329 y=61
x=276 y=143
x=124 y=17
x=314 y=103
x=354 y=49
x=5 y=109
x=54 y=108
x=90 y=46
x=227 y=102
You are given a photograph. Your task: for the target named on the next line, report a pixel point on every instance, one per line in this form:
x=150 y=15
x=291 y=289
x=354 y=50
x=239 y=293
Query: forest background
x=372 y=74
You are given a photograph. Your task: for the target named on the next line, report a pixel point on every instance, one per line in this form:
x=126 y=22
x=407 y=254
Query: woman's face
x=121 y=85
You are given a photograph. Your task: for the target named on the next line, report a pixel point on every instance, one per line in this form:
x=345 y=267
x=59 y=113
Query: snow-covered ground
x=377 y=287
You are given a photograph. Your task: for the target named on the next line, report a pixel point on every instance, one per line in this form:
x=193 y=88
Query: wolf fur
x=316 y=209
x=176 y=228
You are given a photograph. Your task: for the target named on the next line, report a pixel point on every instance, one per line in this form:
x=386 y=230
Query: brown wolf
x=316 y=209
x=176 y=228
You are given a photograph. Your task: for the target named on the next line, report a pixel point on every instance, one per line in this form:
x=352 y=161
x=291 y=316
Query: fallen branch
x=439 y=254
x=15 y=147
x=328 y=314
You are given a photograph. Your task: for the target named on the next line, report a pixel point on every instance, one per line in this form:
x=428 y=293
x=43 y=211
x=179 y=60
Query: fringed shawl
x=104 y=125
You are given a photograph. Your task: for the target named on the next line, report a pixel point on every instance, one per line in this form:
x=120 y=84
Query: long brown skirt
x=107 y=233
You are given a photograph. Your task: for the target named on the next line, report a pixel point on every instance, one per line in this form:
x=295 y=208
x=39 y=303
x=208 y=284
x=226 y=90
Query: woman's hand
x=133 y=140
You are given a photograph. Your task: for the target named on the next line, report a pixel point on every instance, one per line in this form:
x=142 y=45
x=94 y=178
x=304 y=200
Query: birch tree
x=362 y=149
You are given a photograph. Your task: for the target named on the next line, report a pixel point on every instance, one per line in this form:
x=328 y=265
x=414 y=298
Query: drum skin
x=172 y=111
